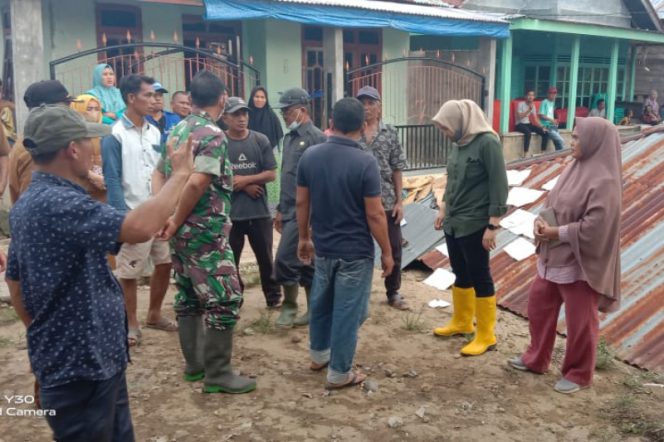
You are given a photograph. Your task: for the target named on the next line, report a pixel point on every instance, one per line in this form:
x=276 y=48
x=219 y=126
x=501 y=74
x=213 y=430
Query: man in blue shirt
x=61 y=285
x=161 y=118
x=339 y=196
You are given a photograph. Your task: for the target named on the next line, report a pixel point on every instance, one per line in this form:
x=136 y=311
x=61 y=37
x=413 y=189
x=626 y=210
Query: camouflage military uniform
x=205 y=272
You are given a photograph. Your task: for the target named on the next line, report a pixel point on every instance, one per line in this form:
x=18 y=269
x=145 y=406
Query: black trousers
x=470 y=263
x=90 y=411
x=393 y=282
x=288 y=269
x=527 y=130
x=259 y=232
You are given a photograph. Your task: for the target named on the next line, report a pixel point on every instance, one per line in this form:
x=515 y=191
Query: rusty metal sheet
x=636 y=331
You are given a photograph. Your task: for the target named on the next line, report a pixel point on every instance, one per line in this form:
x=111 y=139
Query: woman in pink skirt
x=578 y=235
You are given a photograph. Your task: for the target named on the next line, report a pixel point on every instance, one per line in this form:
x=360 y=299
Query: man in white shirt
x=526 y=116
x=600 y=110
x=129 y=156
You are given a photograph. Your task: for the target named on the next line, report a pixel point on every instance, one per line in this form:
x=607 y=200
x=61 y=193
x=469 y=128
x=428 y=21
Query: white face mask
x=295 y=125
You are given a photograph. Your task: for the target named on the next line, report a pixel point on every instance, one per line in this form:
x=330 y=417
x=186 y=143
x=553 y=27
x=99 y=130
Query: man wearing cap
x=205 y=271
x=547 y=117
x=253 y=166
x=61 y=285
x=20 y=162
x=289 y=270
x=159 y=117
x=382 y=141
x=129 y=157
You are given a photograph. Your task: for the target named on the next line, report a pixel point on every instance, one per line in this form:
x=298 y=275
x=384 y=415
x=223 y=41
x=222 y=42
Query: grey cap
x=368 y=91
x=50 y=128
x=234 y=104
x=293 y=97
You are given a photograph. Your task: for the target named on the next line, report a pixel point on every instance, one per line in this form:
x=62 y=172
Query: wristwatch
x=492 y=227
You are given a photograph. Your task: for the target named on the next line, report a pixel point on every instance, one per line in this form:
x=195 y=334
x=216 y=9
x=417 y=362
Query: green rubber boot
x=219 y=376
x=192 y=337
x=288 y=307
x=304 y=319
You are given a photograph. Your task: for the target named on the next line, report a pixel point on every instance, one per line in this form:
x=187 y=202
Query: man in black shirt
x=253 y=165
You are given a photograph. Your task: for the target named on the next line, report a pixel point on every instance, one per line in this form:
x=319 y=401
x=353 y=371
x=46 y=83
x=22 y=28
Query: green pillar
x=632 y=74
x=625 y=76
x=554 y=62
x=505 y=87
x=613 y=81
x=573 y=80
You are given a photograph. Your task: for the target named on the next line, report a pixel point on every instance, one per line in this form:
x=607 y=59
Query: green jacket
x=476 y=185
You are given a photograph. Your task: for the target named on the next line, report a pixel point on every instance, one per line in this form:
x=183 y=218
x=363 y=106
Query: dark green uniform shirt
x=476 y=186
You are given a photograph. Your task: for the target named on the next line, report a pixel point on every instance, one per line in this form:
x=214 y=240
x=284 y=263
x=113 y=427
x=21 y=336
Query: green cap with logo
x=50 y=128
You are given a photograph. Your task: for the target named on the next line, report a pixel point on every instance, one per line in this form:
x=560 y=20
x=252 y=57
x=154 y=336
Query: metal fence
x=424 y=145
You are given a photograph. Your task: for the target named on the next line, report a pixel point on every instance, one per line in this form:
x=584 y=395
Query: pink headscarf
x=588 y=198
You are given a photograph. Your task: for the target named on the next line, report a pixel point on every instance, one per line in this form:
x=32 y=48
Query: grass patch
x=636 y=419
x=5 y=342
x=413 y=322
x=605 y=355
x=251 y=280
x=264 y=325
x=8 y=316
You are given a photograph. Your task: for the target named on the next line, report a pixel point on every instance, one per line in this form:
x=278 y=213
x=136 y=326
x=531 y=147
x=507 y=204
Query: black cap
x=46 y=92
x=234 y=104
x=293 y=97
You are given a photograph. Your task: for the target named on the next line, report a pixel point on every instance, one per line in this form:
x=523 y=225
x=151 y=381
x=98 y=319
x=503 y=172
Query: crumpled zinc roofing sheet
x=636 y=331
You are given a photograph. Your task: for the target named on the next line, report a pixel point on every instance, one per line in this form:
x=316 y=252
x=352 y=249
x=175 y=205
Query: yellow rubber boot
x=485 y=337
x=463 y=314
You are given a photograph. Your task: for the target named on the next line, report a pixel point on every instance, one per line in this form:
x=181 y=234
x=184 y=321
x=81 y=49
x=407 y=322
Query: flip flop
x=398 y=303
x=356 y=379
x=134 y=337
x=164 y=324
x=318 y=367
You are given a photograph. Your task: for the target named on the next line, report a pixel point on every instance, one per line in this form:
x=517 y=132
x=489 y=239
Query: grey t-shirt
x=250 y=156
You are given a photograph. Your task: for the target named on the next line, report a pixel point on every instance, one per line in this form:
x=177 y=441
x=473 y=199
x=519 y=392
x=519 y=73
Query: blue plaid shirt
x=60 y=238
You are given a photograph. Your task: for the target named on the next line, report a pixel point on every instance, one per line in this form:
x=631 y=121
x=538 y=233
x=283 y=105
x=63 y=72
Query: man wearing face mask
x=289 y=270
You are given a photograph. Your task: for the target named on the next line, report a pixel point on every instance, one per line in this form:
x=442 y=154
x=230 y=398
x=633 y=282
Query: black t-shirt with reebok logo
x=250 y=156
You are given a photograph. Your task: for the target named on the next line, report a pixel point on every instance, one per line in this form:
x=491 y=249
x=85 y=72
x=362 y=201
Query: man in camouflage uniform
x=205 y=272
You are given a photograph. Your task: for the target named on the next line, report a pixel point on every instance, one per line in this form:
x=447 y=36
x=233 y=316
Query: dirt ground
x=424 y=390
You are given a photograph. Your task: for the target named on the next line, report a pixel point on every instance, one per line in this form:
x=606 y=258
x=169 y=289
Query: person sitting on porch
x=650 y=117
x=548 y=120
x=526 y=115
x=652 y=102
x=600 y=110
x=627 y=119
x=103 y=82
x=160 y=117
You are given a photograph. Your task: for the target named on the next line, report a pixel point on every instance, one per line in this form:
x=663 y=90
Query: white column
x=488 y=70
x=27 y=51
x=333 y=62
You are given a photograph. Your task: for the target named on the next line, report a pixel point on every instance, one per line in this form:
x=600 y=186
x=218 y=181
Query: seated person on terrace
x=600 y=110
x=649 y=116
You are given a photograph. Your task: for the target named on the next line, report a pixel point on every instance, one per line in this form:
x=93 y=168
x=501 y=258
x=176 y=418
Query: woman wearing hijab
x=90 y=108
x=264 y=120
x=104 y=90
x=475 y=199
x=578 y=234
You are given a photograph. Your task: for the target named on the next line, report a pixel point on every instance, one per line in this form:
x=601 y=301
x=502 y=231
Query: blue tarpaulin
x=456 y=25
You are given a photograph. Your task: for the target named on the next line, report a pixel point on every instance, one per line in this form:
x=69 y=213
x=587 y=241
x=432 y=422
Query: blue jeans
x=90 y=410
x=557 y=139
x=338 y=305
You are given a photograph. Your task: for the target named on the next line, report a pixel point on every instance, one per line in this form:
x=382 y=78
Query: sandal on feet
x=318 y=367
x=355 y=379
x=397 y=302
x=134 y=337
x=163 y=324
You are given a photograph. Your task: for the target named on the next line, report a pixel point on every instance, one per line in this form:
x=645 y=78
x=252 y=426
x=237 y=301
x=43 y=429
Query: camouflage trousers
x=207 y=281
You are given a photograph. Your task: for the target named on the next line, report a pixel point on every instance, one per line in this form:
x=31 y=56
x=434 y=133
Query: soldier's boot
x=219 y=376
x=304 y=319
x=192 y=336
x=288 y=307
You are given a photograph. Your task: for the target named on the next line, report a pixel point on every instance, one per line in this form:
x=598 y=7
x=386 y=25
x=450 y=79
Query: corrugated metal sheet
x=409 y=9
x=636 y=331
